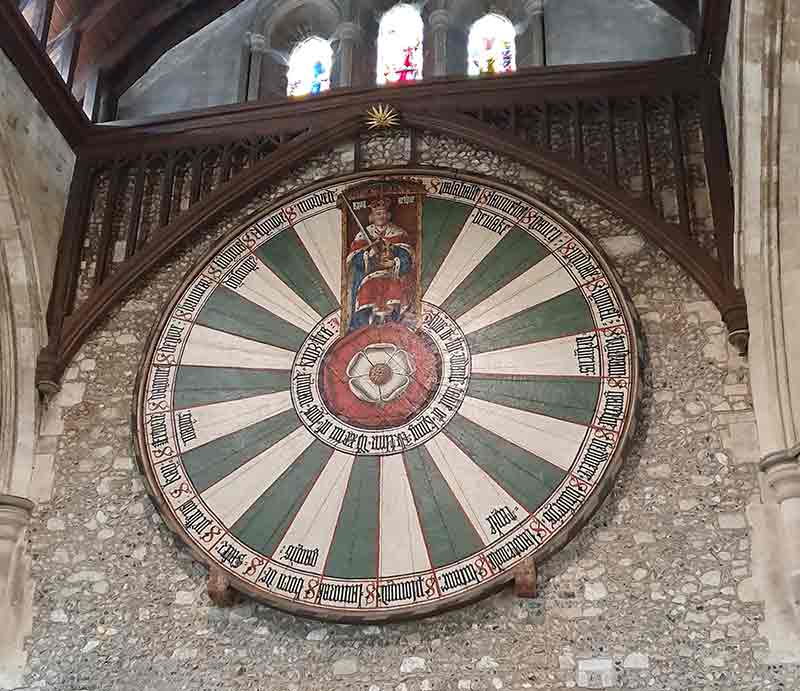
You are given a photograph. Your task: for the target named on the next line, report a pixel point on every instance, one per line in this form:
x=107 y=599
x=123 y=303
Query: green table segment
x=384 y=392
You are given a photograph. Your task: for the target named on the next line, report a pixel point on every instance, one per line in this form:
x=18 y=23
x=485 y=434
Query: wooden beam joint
x=48 y=371
x=735 y=318
x=219 y=588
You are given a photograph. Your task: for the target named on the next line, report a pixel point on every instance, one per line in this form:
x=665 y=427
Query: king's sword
x=360 y=225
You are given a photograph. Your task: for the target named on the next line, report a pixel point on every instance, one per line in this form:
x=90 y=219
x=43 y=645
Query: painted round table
x=383 y=393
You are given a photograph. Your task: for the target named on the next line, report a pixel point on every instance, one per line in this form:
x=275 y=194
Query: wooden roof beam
x=22 y=47
x=712 y=35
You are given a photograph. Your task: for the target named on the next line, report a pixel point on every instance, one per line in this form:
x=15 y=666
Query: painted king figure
x=381 y=270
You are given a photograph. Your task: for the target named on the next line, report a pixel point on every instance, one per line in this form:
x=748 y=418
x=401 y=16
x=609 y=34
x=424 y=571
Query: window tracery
x=400 y=45
x=491 y=47
x=309 y=67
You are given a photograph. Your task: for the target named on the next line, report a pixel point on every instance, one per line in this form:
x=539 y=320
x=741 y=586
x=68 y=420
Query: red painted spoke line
x=270 y=558
x=623 y=326
x=432 y=570
x=378 y=530
x=546 y=414
x=530 y=426
x=230 y=400
x=524 y=288
x=451 y=287
x=525 y=377
x=604 y=430
x=488 y=475
x=508 y=491
x=335 y=530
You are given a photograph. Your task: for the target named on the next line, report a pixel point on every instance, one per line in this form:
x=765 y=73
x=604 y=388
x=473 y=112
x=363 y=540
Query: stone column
x=15 y=513
x=348 y=35
x=244 y=69
x=274 y=75
x=534 y=38
x=761 y=93
x=439 y=22
x=258 y=46
x=782 y=471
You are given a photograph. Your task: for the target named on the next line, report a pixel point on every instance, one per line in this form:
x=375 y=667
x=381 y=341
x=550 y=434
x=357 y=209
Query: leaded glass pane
x=310 y=67
x=491 y=46
x=400 y=45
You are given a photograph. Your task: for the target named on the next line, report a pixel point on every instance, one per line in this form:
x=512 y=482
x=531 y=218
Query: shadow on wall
x=580 y=31
x=199 y=72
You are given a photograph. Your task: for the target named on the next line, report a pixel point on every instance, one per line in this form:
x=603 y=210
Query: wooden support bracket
x=735 y=318
x=220 y=590
x=525 y=579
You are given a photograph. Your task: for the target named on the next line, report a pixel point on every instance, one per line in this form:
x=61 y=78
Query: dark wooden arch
x=69 y=332
x=701 y=267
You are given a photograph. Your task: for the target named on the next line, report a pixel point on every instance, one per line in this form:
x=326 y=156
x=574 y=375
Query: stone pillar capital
x=782 y=469
x=258 y=43
x=439 y=20
x=534 y=7
x=348 y=31
x=15 y=512
x=348 y=34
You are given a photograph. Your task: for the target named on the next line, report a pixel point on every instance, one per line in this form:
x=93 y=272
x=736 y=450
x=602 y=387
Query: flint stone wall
x=654 y=593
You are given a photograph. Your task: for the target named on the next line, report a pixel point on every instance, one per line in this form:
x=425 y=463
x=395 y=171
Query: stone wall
x=35 y=168
x=654 y=593
x=42 y=162
x=578 y=31
x=761 y=90
x=201 y=71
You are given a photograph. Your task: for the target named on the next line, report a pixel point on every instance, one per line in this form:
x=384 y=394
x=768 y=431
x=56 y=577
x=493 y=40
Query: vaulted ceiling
x=125 y=37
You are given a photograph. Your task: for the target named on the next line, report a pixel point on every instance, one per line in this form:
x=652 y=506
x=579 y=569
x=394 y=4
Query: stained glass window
x=491 y=45
x=400 y=45
x=310 y=67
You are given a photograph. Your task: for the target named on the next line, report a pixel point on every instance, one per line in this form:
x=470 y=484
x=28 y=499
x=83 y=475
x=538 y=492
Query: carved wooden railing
x=643 y=139
x=664 y=152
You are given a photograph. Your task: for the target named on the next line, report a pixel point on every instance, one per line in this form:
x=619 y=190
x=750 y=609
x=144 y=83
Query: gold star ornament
x=382 y=117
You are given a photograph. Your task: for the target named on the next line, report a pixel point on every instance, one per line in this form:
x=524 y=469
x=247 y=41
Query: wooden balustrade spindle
x=548 y=139
x=678 y=164
x=132 y=242
x=105 y=250
x=227 y=162
x=197 y=177
x=612 y=142
x=167 y=182
x=577 y=124
x=644 y=150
